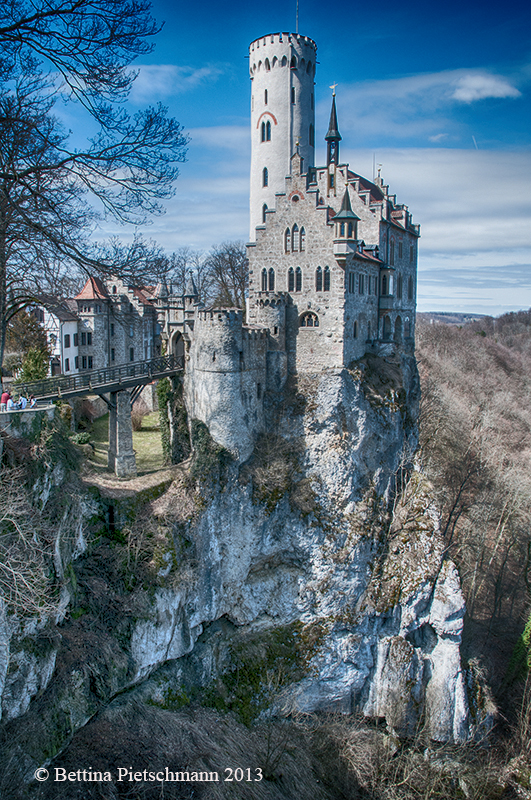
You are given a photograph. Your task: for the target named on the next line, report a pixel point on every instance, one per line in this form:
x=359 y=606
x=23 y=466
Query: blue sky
x=436 y=93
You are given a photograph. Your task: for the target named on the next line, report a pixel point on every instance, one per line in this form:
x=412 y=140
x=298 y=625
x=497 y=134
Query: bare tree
x=228 y=267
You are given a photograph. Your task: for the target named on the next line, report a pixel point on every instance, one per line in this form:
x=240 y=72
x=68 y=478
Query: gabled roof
x=94 y=289
x=57 y=307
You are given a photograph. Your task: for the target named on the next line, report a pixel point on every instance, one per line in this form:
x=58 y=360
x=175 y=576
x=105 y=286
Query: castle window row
x=363 y=284
x=294 y=240
x=294 y=64
x=322 y=279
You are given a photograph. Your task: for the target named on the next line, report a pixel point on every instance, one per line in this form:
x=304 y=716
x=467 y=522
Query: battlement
x=220 y=316
x=253 y=333
x=284 y=39
x=272 y=299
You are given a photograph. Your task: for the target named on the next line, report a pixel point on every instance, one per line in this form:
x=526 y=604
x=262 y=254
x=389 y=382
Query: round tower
x=282 y=71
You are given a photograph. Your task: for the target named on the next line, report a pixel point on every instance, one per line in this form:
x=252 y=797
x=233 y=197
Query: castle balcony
x=386 y=302
x=343 y=248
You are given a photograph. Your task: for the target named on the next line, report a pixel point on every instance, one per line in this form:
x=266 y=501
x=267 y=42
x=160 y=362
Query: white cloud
x=479 y=86
x=156 y=81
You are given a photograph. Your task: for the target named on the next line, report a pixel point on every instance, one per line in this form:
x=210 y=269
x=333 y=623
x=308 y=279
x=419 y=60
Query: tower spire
x=333 y=137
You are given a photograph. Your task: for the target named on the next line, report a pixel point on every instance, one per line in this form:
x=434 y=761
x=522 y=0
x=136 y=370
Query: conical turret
x=333 y=137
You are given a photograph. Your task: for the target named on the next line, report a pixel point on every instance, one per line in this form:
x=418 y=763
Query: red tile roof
x=94 y=289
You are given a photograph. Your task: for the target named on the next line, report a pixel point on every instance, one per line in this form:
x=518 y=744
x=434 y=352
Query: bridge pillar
x=121 y=457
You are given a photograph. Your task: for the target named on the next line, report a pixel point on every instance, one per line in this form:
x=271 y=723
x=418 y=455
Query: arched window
x=265 y=177
x=267 y=65
x=295 y=238
x=271 y=279
x=302 y=238
x=309 y=67
x=275 y=62
x=350 y=230
x=327 y=279
x=311 y=136
x=355 y=329
x=407 y=328
x=287 y=241
x=398 y=329
x=284 y=61
x=264 y=209
x=293 y=63
x=293 y=95
x=342 y=229
x=309 y=320
x=318 y=279
x=265 y=97
x=399 y=287
x=268 y=131
x=392 y=252
x=298 y=280
x=386 y=328
x=291 y=280
x=114 y=289
x=384 y=284
x=410 y=289
x=264 y=280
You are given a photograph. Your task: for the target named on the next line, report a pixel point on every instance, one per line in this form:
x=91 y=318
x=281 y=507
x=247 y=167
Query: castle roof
x=94 y=289
x=333 y=132
x=190 y=290
x=57 y=307
x=345 y=211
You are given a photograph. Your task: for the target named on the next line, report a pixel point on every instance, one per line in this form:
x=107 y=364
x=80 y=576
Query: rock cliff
x=311 y=577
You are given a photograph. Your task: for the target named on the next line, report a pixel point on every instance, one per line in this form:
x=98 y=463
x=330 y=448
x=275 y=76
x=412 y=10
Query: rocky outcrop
x=321 y=554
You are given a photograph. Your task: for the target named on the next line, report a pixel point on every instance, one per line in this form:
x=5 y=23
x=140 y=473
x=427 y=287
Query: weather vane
x=333 y=87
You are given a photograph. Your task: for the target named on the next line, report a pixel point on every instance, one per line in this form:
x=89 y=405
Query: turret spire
x=333 y=137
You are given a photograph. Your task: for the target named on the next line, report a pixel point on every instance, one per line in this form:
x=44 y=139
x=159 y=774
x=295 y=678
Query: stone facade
x=108 y=323
x=332 y=263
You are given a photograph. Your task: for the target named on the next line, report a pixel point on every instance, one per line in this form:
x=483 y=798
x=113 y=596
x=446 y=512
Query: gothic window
x=271 y=279
x=268 y=131
x=318 y=279
x=265 y=177
x=410 y=289
x=355 y=329
x=267 y=65
x=327 y=279
x=352 y=282
x=295 y=239
x=309 y=320
x=284 y=61
x=264 y=209
x=298 y=280
x=392 y=252
x=407 y=328
x=384 y=284
x=311 y=136
x=264 y=280
x=265 y=97
x=399 y=249
x=293 y=63
x=302 y=238
x=275 y=62
x=291 y=280
x=263 y=136
x=287 y=241
x=399 y=287
x=361 y=284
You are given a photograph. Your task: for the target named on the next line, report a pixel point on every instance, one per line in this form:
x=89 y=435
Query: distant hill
x=448 y=317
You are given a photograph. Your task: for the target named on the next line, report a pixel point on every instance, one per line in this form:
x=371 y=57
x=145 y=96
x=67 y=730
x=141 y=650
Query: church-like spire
x=346 y=211
x=333 y=137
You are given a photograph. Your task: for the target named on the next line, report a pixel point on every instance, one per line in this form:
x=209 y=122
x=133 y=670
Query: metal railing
x=107 y=379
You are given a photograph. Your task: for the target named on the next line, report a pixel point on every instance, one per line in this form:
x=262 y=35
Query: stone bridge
x=119 y=387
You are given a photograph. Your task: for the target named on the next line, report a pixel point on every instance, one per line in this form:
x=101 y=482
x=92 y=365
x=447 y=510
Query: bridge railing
x=99 y=378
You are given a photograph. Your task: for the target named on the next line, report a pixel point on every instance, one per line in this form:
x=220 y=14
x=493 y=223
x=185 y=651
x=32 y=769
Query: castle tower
x=282 y=71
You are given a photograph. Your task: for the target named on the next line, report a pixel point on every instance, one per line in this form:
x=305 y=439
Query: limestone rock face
x=318 y=530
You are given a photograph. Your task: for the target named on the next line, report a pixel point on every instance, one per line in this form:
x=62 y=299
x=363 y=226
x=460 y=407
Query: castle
x=332 y=262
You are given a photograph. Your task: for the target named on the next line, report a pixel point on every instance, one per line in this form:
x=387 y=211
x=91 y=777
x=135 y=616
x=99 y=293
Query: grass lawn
x=146 y=443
